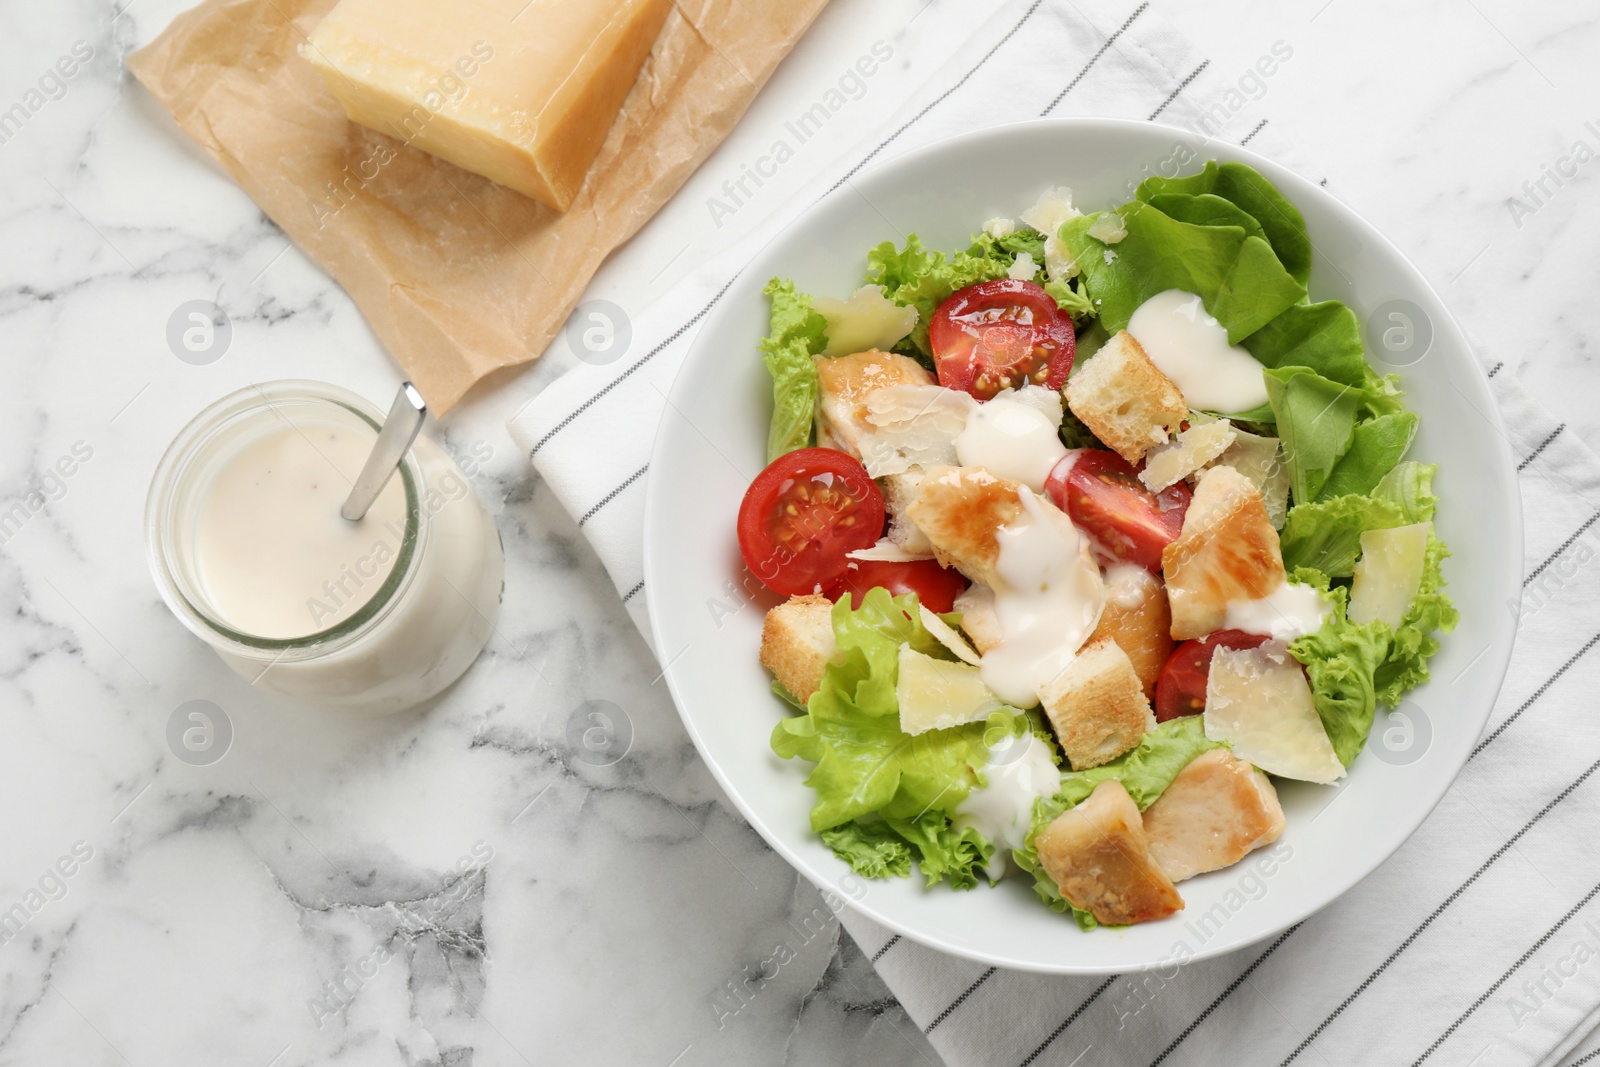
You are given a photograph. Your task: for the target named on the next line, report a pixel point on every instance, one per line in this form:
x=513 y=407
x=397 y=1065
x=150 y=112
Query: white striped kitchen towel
x=1477 y=943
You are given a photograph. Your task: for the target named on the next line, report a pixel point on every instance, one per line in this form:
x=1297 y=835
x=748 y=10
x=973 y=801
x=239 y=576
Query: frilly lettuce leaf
x=915 y=277
x=1326 y=535
x=797 y=334
x=885 y=797
x=1431 y=611
x=1340 y=660
x=1410 y=487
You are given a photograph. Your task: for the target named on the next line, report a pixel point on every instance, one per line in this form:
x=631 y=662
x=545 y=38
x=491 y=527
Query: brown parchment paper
x=457 y=275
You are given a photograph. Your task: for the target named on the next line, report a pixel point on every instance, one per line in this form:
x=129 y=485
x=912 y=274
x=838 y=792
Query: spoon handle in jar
x=399 y=430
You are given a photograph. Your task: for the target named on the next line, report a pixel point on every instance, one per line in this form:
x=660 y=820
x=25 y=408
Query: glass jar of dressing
x=249 y=550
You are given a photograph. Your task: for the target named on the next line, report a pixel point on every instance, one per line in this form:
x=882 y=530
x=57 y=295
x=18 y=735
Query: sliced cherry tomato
x=936 y=587
x=803 y=514
x=999 y=335
x=1103 y=494
x=1181 y=689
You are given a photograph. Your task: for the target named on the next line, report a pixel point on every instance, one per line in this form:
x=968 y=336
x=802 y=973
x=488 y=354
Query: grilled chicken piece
x=1098 y=856
x=959 y=510
x=1136 y=617
x=1227 y=550
x=1216 y=811
x=843 y=384
x=899 y=490
x=797 y=643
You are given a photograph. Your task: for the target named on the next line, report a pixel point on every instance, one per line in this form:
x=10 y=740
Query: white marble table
x=468 y=885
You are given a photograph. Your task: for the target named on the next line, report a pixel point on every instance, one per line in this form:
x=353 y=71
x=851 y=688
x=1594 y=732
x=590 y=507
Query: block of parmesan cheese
x=522 y=92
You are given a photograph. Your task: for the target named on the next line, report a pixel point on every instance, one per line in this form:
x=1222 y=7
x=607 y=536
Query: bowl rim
x=1499 y=659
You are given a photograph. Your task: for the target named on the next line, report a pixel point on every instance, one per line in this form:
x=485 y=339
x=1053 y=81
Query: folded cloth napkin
x=1478 y=942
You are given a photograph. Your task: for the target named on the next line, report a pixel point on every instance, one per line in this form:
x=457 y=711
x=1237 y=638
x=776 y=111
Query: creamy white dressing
x=1190 y=347
x=271 y=549
x=1288 y=612
x=1127 y=585
x=1019 y=772
x=1012 y=439
x=1048 y=602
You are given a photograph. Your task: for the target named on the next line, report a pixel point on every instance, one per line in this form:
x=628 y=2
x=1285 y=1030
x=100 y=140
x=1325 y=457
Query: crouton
x=960 y=510
x=1121 y=396
x=797 y=643
x=899 y=490
x=1098 y=856
x=1226 y=551
x=1136 y=617
x=1216 y=811
x=978 y=619
x=1097 y=706
x=843 y=384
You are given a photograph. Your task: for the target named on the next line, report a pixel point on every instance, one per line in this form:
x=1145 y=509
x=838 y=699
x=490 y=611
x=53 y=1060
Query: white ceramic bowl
x=712 y=442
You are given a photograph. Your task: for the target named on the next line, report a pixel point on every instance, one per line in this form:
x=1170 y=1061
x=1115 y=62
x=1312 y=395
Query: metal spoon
x=399 y=430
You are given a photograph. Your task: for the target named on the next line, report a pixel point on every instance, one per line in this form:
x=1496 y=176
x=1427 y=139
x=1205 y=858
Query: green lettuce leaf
x=1206 y=209
x=871 y=847
x=1236 y=275
x=1340 y=660
x=1410 y=487
x=1316 y=420
x=797 y=334
x=1071 y=298
x=1431 y=611
x=944 y=851
x=1326 y=535
x=916 y=277
x=1377 y=445
x=1144 y=772
x=876 y=785
x=1324 y=337
x=1245 y=188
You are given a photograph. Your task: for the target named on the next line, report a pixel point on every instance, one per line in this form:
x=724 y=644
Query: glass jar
x=412 y=614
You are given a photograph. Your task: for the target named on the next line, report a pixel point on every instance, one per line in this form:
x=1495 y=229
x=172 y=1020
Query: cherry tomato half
x=1001 y=334
x=1103 y=494
x=1181 y=689
x=936 y=587
x=803 y=514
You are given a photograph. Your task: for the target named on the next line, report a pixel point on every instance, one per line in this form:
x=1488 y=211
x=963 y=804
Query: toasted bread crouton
x=899 y=490
x=1099 y=858
x=1097 y=706
x=978 y=619
x=1121 y=396
x=959 y=510
x=1226 y=551
x=797 y=643
x=843 y=384
x=1136 y=617
x=1216 y=811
